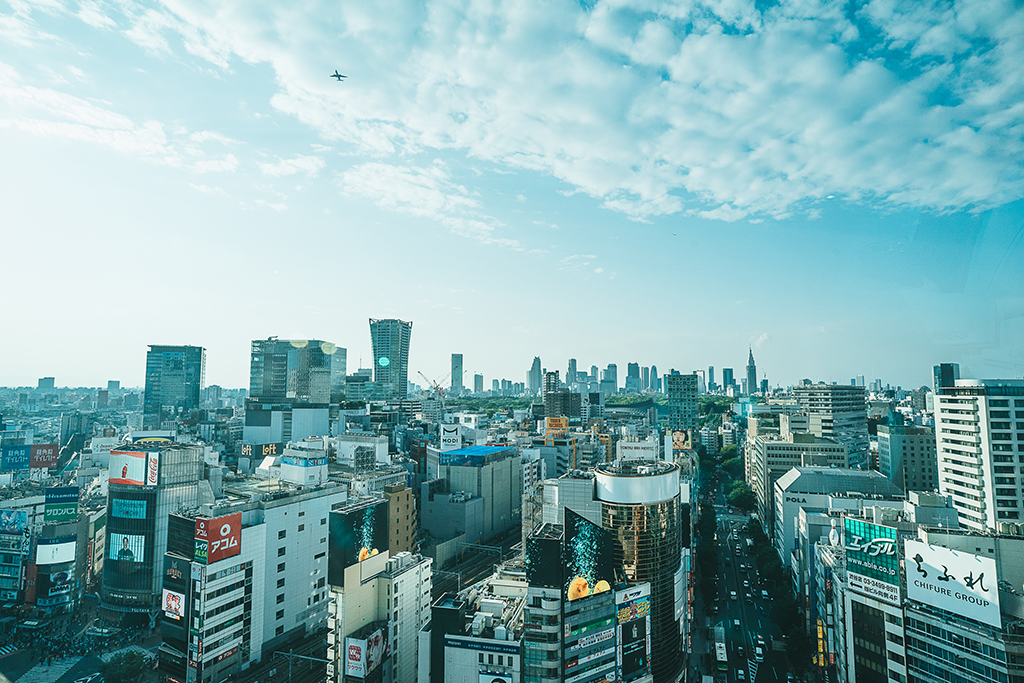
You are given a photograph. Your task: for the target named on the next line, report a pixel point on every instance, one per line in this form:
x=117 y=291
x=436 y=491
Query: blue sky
x=837 y=185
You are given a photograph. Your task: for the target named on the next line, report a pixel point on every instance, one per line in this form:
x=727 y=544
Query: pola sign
x=218 y=538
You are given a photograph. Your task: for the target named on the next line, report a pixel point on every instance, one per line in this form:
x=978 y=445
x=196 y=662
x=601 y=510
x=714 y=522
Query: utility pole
x=291 y=655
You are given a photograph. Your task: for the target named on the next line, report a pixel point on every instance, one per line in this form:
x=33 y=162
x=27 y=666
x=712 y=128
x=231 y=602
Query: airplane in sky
x=338 y=75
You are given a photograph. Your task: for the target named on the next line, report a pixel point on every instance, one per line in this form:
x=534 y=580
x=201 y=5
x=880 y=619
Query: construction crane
x=436 y=387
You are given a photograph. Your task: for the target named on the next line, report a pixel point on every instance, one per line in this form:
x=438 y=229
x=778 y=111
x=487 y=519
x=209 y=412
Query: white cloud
x=208 y=135
x=227 y=164
x=309 y=165
x=94 y=14
x=279 y=206
x=425 y=191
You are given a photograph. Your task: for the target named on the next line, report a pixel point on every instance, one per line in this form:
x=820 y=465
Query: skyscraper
x=682 y=401
x=632 y=378
x=727 y=378
x=711 y=378
x=645 y=378
x=534 y=378
x=174 y=379
x=456 y=373
x=655 y=382
x=570 y=376
x=945 y=375
x=838 y=411
x=390 y=339
x=751 y=374
x=306 y=371
x=975 y=441
x=478 y=384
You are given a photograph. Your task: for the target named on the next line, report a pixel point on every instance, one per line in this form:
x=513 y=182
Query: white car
x=740 y=675
x=758 y=654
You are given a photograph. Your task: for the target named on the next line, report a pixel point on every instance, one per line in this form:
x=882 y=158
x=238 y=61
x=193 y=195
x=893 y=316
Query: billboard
x=637 y=450
x=303 y=462
x=43 y=456
x=260 y=450
x=363 y=656
x=13 y=521
x=126 y=547
x=13 y=458
x=633 y=617
x=174 y=604
x=218 y=538
x=872 y=562
x=55 y=550
x=128 y=467
x=128 y=509
x=543 y=559
x=962 y=583
x=451 y=437
x=355 y=535
x=682 y=440
x=50 y=585
x=152 y=468
x=556 y=424
x=61 y=504
x=587 y=558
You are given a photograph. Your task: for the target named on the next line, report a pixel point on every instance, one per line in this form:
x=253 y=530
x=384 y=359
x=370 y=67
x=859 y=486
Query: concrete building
x=491 y=473
x=906 y=455
x=751 y=374
x=534 y=377
x=682 y=401
x=771 y=456
x=251 y=571
x=456 y=385
x=837 y=411
x=403 y=522
x=978 y=441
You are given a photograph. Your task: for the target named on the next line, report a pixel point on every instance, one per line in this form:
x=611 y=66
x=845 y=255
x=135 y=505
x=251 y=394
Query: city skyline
x=838 y=189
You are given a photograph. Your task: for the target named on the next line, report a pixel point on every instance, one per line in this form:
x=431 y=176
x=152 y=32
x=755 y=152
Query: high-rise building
x=645 y=378
x=46 y=383
x=945 y=375
x=751 y=373
x=727 y=378
x=570 y=376
x=495 y=387
x=838 y=411
x=147 y=483
x=682 y=401
x=655 y=381
x=534 y=378
x=975 y=440
x=551 y=382
x=478 y=384
x=610 y=380
x=307 y=371
x=711 y=378
x=457 y=373
x=174 y=380
x=906 y=455
x=390 y=339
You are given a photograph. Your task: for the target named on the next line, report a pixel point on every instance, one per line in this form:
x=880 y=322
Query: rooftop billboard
x=962 y=583
x=587 y=557
x=355 y=535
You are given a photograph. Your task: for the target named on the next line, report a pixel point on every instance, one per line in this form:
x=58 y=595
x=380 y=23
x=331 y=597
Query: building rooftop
x=636 y=468
x=840 y=480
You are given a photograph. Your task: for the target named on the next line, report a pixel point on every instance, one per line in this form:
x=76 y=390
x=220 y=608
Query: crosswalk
x=7 y=649
x=47 y=674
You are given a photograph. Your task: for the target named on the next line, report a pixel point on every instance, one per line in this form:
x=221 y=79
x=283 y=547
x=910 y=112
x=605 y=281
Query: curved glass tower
x=641 y=508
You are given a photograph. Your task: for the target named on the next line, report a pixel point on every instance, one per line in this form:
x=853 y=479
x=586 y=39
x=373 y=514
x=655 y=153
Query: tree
x=733 y=467
x=124 y=667
x=741 y=496
x=729 y=451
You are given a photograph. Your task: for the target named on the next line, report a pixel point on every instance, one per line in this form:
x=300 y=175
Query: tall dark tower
x=390 y=339
x=751 y=374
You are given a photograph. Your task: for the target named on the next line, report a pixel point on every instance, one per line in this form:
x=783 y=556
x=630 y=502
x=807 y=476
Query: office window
x=281 y=551
x=279 y=630
x=282 y=533
x=280 y=614
x=280 y=583
x=302 y=527
x=280 y=598
x=280 y=567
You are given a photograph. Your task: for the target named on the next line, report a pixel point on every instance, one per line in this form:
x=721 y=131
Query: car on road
x=742 y=566
x=750 y=598
x=758 y=653
x=764 y=594
x=732 y=595
x=746 y=584
x=740 y=652
x=736 y=623
x=740 y=675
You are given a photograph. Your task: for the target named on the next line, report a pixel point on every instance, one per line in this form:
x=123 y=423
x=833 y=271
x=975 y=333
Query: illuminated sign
x=260 y=450
x=128 y=509
x=682 y=440
x=303 y=462
x=55 y=550
x=587 y=557
x=61 y=504
x=872 y=560
x=451 y=437
x=43 y=456
x=13 y=521
x=13 y=458
x=220 y=537
x=128 y=467
x=126 y=547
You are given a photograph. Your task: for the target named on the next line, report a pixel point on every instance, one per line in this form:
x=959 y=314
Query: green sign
x=61 y=512
x=200 y=554
x=871 y=551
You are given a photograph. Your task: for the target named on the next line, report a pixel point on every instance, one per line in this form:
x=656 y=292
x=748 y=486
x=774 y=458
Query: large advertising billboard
x=260 y=450
x=61 y=504
x=872 y=560
x=962 y=583
x=128 y=509
x=55 y=550
x=52 y=584
x=128 y=467
x=543 y=559
x=355 y=535
x=633 y=617
x=556 y=424
x=682 y=440
x=174 y=604
x=126 y=547
x=13 y=521
x=14 y=458
x=587 y=558
x=363 y=656
x=43 y=455
x=451 y=437
x=218 y=538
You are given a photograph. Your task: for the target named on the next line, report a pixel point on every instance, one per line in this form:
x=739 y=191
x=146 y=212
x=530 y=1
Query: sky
x=837 y=186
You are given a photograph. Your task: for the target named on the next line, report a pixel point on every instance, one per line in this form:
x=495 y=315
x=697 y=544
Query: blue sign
x=128 y=509
x=15 y=458
x=304 y=462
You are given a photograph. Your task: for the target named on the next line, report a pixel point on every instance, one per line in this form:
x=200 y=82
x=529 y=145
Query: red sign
x=44 y=455
x=222 y=534
x=355 y=653
x=224 y=655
